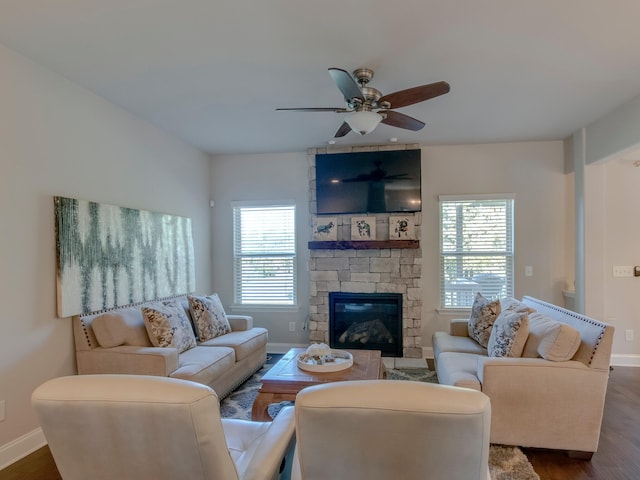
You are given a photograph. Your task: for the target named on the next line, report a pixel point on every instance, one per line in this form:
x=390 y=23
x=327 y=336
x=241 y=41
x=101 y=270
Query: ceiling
x=213 y=72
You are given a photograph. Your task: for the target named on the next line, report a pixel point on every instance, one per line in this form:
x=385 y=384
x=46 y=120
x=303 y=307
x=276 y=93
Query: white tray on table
x=342 y=361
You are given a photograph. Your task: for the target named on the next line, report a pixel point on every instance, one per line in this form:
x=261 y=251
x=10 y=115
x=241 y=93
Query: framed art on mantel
x=363 y=228
x=325 y=228
x=402 y=228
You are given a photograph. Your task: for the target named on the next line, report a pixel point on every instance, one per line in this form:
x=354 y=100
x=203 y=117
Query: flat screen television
x=368 y=182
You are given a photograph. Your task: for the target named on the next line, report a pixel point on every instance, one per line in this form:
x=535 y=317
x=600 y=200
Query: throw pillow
x=514 y=305
x=550 y=339
x=168 y=325
x=483 y=313
x=509 y=334
x=121 y=327
x=208 y=316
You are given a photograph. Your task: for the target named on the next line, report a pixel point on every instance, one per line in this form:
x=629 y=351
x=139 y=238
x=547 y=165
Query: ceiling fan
x=367 y=105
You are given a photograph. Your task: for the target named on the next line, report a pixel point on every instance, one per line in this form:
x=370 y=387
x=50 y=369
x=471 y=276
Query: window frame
x=293 y=255
x=508 y=253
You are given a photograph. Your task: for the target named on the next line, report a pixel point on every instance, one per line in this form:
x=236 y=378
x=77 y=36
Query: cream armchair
x=380 y=429
x=143 y=427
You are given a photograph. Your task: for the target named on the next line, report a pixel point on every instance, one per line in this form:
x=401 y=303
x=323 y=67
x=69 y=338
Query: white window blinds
x=476 y=248
x=264 y=255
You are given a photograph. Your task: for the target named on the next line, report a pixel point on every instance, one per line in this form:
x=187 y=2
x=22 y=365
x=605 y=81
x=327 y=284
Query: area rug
x=505 y=462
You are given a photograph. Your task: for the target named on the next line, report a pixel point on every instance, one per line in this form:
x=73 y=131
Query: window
x=476 y=248
x=264 y=254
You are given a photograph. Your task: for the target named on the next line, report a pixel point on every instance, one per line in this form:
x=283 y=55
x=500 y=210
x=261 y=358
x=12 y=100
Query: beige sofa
x=121 y=345
x=535 y=402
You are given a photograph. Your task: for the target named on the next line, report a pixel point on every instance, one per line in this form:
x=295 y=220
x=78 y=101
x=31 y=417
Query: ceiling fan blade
x=397 y=119
x=346 y=84
x=343 y=130
x=314 y=109
x=413 y=95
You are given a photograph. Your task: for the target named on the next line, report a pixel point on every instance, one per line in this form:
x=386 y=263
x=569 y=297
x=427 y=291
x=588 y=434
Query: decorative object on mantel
x=109 y=256
x=325 y=228
x=363 y=228
x=402 y=227
x=363 y=245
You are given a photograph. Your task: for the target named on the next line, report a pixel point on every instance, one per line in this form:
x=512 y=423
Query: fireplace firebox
x=368 y=321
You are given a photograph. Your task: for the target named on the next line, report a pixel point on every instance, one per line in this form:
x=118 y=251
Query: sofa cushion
x=243 y=342
x=550 y=339
x=483 y=313
x=208 y=316
x=509 y=334
x=201 y=364
x=444 y=342
x=459 y=370
x=124 y=327
x=168 y=325
x=514 y=305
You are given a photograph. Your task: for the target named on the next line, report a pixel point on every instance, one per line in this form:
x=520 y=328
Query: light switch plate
x=622 y=271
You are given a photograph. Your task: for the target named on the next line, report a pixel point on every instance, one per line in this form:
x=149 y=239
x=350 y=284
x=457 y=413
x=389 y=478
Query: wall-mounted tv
x=368 y=182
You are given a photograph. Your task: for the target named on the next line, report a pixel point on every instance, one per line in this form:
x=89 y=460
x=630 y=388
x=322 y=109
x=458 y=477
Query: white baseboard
x=284 y=347
x=621 y=360
x=21 y=447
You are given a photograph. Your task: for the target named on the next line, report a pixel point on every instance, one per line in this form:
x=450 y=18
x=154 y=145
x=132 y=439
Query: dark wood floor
x=618 y=455
x=617 y=458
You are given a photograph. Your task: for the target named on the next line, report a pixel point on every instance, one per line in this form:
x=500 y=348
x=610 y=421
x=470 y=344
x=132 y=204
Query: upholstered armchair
x=380 y=429
x=142 y=427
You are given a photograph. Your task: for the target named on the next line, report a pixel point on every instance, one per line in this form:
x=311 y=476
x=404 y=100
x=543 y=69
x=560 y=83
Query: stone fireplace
x=381 y=266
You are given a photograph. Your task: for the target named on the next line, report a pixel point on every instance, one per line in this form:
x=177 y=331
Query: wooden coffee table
x=284 y=380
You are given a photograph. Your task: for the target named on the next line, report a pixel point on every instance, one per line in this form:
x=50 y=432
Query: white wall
x=609 y=191
x=58 y=139
x=261 y=177
x=622 y=186
x=535 y=173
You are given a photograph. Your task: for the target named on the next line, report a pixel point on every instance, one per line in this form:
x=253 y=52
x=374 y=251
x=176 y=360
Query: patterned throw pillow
x=509 y=334
x=208 y=316
x=483 y=313
x=168 y=325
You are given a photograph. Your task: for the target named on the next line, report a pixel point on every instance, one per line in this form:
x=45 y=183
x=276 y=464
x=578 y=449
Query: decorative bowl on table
x=321 y=358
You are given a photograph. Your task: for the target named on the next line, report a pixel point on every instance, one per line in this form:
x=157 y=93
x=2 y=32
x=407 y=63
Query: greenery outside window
x=476 y=248
x=264 y=254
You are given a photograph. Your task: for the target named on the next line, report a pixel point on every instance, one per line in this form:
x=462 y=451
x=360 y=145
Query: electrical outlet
x=628 y=335
x=292 y=326
x=620 y=271
x=2 y=412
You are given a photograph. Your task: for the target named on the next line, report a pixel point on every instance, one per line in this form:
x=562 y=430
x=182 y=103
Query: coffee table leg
x=260 y=409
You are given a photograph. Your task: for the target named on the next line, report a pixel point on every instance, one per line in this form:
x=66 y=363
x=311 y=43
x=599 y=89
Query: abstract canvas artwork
x=109 y=256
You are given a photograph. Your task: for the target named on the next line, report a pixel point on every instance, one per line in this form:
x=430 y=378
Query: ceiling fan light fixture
x=364 y=122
